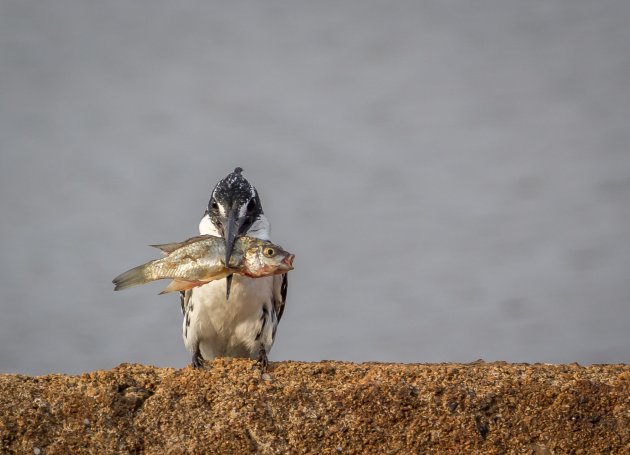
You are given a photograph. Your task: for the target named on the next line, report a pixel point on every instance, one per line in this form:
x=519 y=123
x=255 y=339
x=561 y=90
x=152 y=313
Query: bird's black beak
x=230 y=231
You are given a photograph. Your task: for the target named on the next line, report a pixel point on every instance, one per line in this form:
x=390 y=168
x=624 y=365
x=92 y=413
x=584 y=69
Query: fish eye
x=269 y=252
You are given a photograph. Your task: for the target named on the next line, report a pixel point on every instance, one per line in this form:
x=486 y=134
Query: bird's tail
x=134 y=277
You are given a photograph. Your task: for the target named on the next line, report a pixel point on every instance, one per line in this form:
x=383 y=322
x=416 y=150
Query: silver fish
x=199 y=260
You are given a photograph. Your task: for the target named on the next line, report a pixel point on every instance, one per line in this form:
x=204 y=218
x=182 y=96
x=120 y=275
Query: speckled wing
x=185 y=299
x=280 y=286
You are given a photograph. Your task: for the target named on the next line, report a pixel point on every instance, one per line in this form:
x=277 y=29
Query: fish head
x=265 y=259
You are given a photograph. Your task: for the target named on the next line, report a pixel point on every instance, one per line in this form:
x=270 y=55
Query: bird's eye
x=251 y=206
x=269 y=252
x=214 y=205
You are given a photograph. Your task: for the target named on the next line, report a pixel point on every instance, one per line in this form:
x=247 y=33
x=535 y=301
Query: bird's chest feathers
x=247 y=297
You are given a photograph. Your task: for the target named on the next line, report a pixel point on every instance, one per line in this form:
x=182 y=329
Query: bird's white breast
x=229 y=327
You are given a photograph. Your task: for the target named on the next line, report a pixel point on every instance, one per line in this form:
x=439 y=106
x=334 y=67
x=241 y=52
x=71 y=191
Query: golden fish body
x=199 y=260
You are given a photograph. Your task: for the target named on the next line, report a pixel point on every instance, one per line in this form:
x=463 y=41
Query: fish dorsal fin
x=168 y=248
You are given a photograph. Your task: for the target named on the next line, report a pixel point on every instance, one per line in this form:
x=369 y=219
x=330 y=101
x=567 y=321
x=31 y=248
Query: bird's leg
x=262 y=359
x=197 y=358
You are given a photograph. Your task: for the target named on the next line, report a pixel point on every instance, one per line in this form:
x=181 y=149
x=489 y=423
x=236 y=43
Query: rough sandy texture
x=326 y=407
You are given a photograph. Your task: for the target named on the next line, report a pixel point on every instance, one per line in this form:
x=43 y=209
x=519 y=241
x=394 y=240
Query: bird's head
x=234 y=210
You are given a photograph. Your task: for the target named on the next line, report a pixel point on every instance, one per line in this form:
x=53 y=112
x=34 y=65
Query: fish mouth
x=287 y=262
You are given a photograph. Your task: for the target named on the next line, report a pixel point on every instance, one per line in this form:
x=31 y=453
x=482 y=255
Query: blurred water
x=453 y=177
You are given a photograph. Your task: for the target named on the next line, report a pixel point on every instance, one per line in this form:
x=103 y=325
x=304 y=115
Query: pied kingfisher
x=236 y=316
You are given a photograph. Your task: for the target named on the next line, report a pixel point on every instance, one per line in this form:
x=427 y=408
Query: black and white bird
x=236 y=316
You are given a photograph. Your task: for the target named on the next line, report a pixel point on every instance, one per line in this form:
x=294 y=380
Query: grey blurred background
x=454 y=177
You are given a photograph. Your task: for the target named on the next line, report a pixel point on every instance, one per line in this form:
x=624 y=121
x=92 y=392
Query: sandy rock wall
x=326 y=407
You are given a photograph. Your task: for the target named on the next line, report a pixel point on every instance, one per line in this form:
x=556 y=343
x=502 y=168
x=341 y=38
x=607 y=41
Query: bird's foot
x=262 y=360
x=197 y=359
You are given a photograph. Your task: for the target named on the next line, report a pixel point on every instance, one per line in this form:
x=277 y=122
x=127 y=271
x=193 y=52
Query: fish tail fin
x=134 y=277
